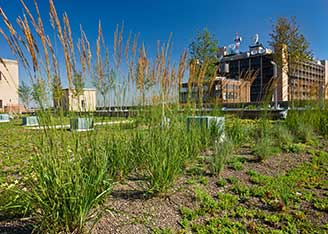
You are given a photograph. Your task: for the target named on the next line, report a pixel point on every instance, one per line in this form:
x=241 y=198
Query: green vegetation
x=237 y=182
x=280 y=202
x=204 y=49
x=222 y=152
x=68 y=180
x=56 y=164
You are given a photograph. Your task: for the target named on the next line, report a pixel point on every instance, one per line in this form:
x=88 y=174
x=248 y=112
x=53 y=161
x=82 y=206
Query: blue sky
x=156 y=19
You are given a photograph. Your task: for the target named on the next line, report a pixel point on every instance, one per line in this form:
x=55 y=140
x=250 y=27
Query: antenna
x=237 y=40
x=256 y=39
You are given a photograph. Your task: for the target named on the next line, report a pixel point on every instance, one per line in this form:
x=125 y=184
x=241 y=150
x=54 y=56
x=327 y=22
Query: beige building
x=304 y=81
x=9 y=86
x=325 y=63
x=307 y=81
x=84 y=102
x=222 y=90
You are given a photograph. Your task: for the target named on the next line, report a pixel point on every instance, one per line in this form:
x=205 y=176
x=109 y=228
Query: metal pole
x=275 y=76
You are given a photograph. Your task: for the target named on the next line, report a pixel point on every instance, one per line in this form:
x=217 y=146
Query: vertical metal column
x=275 y=76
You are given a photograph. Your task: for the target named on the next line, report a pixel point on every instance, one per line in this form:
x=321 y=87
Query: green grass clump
x=165 y=154
x=264 y=144
x=281 y=135
x=69 y=179
x=324 y=123
x=264 y=149
x=303 y=125
x=122 y=152
x=223 y=152
x=238 y=131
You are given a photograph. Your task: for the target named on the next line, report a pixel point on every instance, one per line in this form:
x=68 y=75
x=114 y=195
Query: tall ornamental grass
x=72 y=172
x=222 y=153
x=166 y=150
x=122 y=155
x=69 y=179
x=265 y=145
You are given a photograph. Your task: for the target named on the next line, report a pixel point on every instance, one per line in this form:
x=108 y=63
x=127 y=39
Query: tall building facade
x=303 y=81
x=307 y=81
x=258 y=61
x=9 y=86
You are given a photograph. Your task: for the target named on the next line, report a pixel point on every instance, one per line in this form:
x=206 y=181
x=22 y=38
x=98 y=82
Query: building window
x=0 y=75
x=82 y=104
x=1 y=104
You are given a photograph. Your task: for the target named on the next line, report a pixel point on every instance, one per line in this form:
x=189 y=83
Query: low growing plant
x=207 y=202
x=236 y=163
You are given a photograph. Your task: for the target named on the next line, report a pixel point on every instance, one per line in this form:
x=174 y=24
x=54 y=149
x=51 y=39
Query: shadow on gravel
x=16 y=228
x=129 y=195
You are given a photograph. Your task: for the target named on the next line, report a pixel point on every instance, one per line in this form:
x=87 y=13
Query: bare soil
x=131 y=212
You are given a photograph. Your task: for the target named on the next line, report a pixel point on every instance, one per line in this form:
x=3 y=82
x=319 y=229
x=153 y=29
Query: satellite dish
x=261 y=51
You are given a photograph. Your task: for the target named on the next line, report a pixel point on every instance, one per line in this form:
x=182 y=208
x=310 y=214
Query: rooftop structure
x=70 y=101
x=257 y=59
